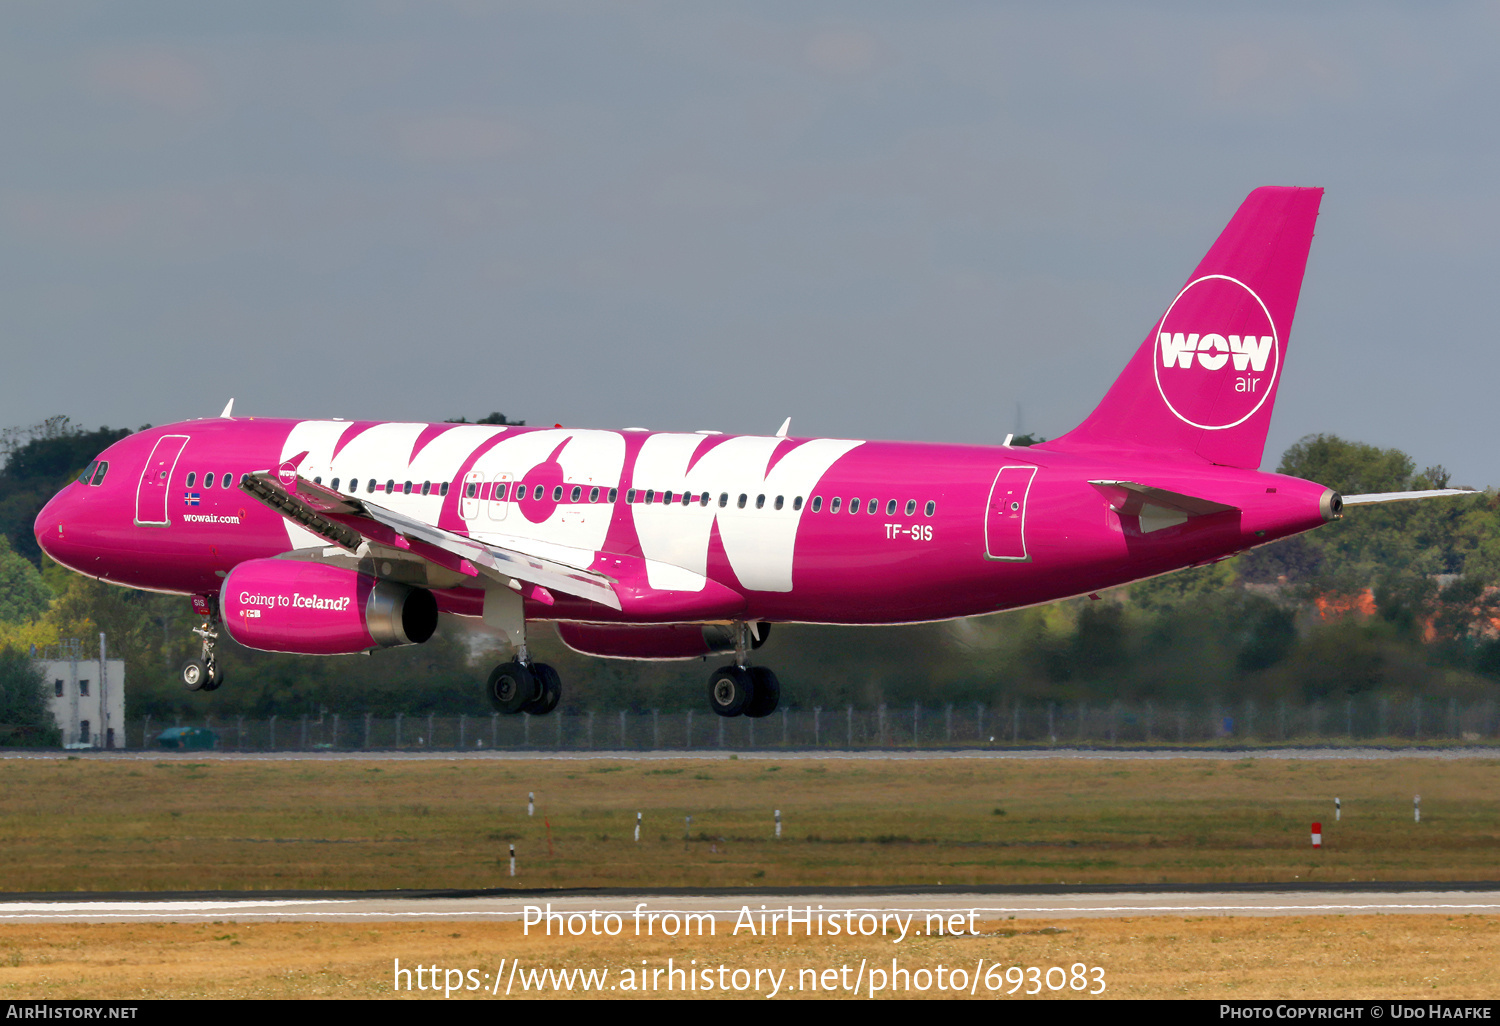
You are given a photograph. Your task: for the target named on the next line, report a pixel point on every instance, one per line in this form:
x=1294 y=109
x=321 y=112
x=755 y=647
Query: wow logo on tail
x=1217 y=353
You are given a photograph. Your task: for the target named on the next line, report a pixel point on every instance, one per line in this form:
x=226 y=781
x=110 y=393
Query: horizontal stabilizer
x=1138 y=496
x=1156 y=509
x=1430 y=493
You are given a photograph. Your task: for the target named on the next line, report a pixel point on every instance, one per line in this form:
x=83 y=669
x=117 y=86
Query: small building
x=87 y=702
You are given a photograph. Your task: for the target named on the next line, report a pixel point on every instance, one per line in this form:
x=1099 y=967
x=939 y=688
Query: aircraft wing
x=1429 y=493
x=349 y=521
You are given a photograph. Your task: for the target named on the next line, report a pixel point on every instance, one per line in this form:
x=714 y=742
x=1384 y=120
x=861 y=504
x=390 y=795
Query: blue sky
x=882 y=220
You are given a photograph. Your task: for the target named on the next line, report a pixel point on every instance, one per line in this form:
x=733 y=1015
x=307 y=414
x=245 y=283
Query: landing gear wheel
x=766 y=693
x=202 y=675
x=194 y=675
x=511 y=685
x=548 y=690
x=730 y=690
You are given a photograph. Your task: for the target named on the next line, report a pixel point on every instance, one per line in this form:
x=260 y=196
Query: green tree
x=25 y=719
x=23 y=594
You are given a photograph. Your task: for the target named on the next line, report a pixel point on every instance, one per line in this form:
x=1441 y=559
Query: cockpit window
x=87 y=473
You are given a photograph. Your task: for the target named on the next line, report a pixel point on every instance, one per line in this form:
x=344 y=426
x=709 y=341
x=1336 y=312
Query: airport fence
x=1013 y=724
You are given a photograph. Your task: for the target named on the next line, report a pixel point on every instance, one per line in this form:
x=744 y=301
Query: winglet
x=781 y=431
x=228 y=413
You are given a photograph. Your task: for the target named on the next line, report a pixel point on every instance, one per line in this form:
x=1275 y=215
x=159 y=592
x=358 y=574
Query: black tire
x=511 y=685
x=730 y=690
x=548 y=690
x=215 y=679
x=767 y=693
x=194 y=675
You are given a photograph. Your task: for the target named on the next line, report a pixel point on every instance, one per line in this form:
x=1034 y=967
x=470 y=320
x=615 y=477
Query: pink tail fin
x=1204 y=382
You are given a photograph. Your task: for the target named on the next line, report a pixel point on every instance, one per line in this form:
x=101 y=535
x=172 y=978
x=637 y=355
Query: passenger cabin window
x=797 y=503
x=335 y=484
x=890 y=508
x=390 y=486
x=536 y=493
x=576 y=494
x=471 y=490
x=192 y=476
x=593 y=494
x=760 y=502
x=614 y=495
x=426 y=487
x=208 y=480
x=743 y=498
x=630 y=496
x=370 y=487
x=723 y=499
x=835 y=507
x=817 y=504
x=931 y=508
x=911 y=506
x=703 y=499
x=557 y=493
x=226 y=479
x=445 y=488
x=778 y=502
x=406 y=488
x=853 y=505
x=874 y=505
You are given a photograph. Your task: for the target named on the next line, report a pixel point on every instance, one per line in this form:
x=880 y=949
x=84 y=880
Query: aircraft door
x=1005 y=519
x=155 y=487
x=500 y=496
x=468 y=499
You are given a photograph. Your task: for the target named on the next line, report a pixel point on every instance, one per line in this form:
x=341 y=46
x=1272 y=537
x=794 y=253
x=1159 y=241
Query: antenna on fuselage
x=228 y=413
x=781 y=431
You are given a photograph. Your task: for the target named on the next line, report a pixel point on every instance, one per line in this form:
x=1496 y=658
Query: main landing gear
x=742 y=690
x=524 y=687
x=205 y=673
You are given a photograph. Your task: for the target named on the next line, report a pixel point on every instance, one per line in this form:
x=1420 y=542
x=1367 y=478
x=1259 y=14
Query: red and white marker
x=1317 y=835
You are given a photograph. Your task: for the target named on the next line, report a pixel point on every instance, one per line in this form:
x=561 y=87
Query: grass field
x=96 y=825
x=1157 y=957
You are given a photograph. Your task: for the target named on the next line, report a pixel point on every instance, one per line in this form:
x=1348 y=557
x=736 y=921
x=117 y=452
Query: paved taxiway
x=815 y=755
x=729 y=905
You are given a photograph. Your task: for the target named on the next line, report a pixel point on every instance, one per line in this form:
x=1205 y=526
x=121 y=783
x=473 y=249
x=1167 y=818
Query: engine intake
x=278 y=605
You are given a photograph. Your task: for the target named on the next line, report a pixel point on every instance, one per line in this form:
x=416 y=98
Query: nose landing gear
x=740 y=689
x=204 y=673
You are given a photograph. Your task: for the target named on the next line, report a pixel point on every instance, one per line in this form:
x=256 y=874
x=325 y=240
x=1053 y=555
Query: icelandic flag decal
x=190 y=498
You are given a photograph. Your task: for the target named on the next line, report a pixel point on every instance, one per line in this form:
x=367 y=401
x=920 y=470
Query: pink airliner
x=332 y=536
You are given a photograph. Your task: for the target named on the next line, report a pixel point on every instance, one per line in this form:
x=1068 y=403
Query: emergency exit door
x=1005 y=519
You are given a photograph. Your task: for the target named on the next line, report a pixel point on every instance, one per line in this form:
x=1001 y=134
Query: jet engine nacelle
x=655 y=641
x=279 y=605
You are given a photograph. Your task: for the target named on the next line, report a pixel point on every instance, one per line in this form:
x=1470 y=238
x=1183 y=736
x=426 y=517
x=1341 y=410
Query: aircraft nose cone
x=51 y=529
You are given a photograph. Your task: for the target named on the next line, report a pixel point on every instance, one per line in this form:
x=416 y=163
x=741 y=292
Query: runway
x=794 y=755
x=576 y=908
